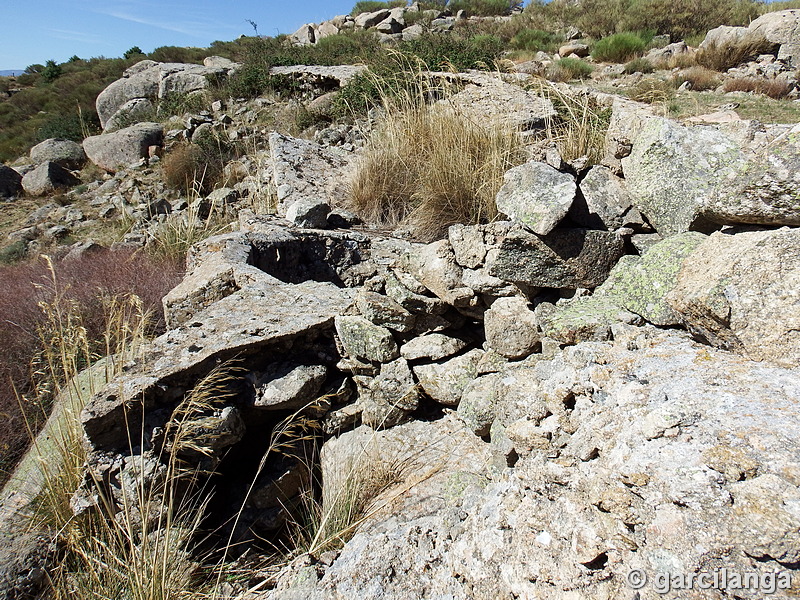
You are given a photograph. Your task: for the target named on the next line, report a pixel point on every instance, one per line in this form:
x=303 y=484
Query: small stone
x=364 y=340
x=434 y=346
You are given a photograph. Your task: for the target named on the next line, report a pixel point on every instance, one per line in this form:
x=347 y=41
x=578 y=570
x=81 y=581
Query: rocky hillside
x=593 y=394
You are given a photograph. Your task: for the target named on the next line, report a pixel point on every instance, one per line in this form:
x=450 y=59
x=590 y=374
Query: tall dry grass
x=429 y=165
x=721 y=57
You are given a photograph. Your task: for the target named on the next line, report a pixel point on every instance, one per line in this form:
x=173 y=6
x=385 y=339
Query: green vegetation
x=534 y=40
x=639 y=65
x=367 y=6
x=483 y=8
x=619 y=48
x=569 y=69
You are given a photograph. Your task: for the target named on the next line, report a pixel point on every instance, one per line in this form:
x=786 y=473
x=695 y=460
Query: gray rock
x=468 y=245
x=739 y=292
x=287 y=386
x=641 y=284
x=310 y=213
x=433 y=346
x=566 y=258
x=47 y=178
x=445 y=382
x=585 y=319
x=133 y=111
x=365 y=340
x=326 y=29
x=781 y=28
x=370 y=19
x=384 y=311
x=304 y=36
x=65 y=153
x=477 y=406
x=10 y=182
x=413 y=32
x=673 y=170
x=511 y=329
x=434 y=266
x=303 y=169
x=578 y=49
x=536 y=195
x=111 y=151
x=321 y=76
x=411 y=301
x=502 y=104
x=608 y=203
x=390 y=397
x=140 y=81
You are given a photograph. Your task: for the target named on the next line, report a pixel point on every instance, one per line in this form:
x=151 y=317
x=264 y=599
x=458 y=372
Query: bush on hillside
x=534 y=40
x=700 y=79
x=484 y=8
x=619 y=48
x=445 y=52
x=639 y=65
x=367 y=6
x=727 y=56
x=773 y=88
x=569 y=69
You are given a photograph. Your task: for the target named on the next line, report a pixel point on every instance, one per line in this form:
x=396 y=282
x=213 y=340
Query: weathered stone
x=641 y=284
x=536 y=195
x=468 y=245
x=65 y=153
x=673 y=171
x=310 y=213
x=287 y=386
x=780 y=28
x=502 y=104
x=608 y=203
x=414 y=32
x=10 y=182
x=739 y=292
x=370 y=19
x=477 y=406
x=659 y=56
x=47 y=178
x=365 y=340
x=434 y=266
x=511 y=329
x=566 y=258
x=579 y=50
x=391 y=396
x=384 y=311
x=588 y=319
x=433 y=346
x=304 y=36
x=110 y=151
x=133 y=111
x=327 y=77
x=411 y=301
x=326 y=29
x=303 y=169
x=140 y=81
x=445 y=382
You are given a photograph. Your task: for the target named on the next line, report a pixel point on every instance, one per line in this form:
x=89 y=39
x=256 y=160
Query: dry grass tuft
x=428 y=166
x=773 y=88
x=726 y=56
x=700 y=79
x=652 y=90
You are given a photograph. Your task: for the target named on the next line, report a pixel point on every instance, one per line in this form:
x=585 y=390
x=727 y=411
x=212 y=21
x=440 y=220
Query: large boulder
x=511 y=328
x=781 y=28
x=65 y=153
x=738 y=290
x=10 y=182
x=673 y=170
x=111 y=151
x=47 y=178
x=304 y=36
x=536 y=195
x=370 y=19
x=608 y=203
x=497 y=103
x=566 y=258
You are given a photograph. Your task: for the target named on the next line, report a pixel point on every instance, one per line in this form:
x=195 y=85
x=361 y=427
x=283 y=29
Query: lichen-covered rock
x=511 y=329
x=477 y=406
x=468 y=244
x=673 y=171
x=287 y=386
x=739 y=291
x=446 y=381
x=384 y=311
x=434 y=266
x=502 y=104
x=641 y=284
x=566 y=258
x=365 y=340
x=388 y=399
x=536 y=195
x=310 y=213
x=781 y=28
x=433 y=346
x=608 y=203
x=47 y=178
x=582 y=320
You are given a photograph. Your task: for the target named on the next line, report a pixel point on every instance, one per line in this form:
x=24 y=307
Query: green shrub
x=133 y=52
x=639 y=65
x=51 y=71
x=69 y=127
x=13 y=253
x=366 y=6
x=446 y=51
x=568 y=69
x=619 y=48
x=534 y=40
x=483 y=8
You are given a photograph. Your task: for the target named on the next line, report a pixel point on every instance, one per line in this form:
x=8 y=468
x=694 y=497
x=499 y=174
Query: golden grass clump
x=700 y=79
x=773 y=88
x=721 y=57
x=429 y=165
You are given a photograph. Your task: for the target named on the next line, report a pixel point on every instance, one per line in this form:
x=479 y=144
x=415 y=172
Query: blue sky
x=38 y=30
